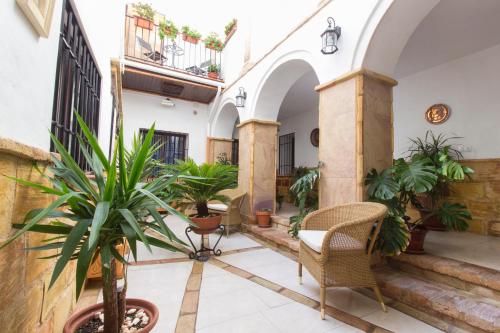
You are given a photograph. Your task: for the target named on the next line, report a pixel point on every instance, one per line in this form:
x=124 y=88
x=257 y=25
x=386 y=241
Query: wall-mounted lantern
x=329 y=37
x=241 y=97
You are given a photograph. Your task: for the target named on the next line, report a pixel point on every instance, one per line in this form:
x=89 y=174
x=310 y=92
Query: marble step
x=481 y=281
x=443 y=306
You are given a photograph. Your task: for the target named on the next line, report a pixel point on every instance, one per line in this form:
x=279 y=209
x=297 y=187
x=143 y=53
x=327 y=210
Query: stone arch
x=226 y=116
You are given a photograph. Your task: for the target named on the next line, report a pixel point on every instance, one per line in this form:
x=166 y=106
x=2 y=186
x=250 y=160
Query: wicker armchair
x=334 y=246
x=230 y=212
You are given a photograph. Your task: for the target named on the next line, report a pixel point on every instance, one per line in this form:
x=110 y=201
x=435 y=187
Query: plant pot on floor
x=417 y=238
x=431 y=222
x=81 y=317
x=263 y=218
x=141 y=22
x=206 y=225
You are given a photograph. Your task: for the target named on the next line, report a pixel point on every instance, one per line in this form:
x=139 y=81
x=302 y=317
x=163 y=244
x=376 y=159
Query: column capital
x=362 y=71
x=258 y=121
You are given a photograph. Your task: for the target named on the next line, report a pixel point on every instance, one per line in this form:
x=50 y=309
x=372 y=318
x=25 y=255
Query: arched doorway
x=222 y=144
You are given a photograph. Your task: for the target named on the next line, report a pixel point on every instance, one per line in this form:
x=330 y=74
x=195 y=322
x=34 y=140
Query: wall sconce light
x=241 y=97
x=329 y=37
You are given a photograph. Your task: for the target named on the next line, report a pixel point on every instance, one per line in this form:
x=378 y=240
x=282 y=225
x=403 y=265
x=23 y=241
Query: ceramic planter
x=141 y=22
x=213 y=75
x=80 y=317
x=206 y=225
x=417 y=237
x=263 y=218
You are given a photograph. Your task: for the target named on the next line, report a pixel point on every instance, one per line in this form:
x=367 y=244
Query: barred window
x=286 y=154
x=173 y=146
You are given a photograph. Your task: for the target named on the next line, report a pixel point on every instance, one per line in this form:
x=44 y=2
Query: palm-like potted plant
x=101 y=213
x=446 y=160
x=213 y=42
x=167 y=28
x=145 y=14
x=213 y=71
x=199 y=184
x=190 y=35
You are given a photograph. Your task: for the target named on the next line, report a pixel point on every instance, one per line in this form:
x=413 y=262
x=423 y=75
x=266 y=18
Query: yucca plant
x=93 y=216
x=199 y=184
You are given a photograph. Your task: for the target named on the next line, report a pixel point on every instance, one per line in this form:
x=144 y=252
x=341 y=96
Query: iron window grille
x=172 y=146
x=77 y=85
x=234 y=152
x=286 y=154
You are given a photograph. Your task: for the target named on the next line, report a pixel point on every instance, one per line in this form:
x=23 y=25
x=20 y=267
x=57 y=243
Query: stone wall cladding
x=481 y=195
x=26 y=303
x=283 y=184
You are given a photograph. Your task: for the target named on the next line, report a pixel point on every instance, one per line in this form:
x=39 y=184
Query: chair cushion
x=340 y=241
x=217 y=206
x=313 y=238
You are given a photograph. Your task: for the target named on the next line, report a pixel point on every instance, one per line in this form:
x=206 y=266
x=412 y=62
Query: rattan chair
x=231 y=212
x=340 y=255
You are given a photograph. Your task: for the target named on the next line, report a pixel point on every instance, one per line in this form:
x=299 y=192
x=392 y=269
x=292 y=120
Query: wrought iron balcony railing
x=143 y=44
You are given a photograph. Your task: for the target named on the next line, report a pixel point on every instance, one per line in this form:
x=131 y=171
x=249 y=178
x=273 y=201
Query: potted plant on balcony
x=230 y=28
x=199 y=184
x=190 y=35
x=94 y=216
x=167 y=28
x=213 y=71
x=446 y=161
x=145 y=15
x=213 y=42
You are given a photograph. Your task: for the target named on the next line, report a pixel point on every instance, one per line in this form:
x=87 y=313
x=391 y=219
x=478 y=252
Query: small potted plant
x=213 y=71
x=168 y=29
x=199 y=184
x=190 y=35
x=263 y=216
x=145 y=15
x=105 y=211
x=213 y=42
x=230 y=28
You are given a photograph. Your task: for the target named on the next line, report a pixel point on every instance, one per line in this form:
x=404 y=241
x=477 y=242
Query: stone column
x=356 y=133
x=216 y=146
x=257 y=165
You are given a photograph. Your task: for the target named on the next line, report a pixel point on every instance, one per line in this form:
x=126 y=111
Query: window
x=173 y=146
x=77 y=86
x=286 y=154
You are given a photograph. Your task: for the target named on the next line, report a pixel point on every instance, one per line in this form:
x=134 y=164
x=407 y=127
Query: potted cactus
x=144 y=15
x=213 y=42
x=190 y=35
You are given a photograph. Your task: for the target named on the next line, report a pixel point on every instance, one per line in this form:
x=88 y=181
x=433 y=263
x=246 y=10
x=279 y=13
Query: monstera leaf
x=394 y=235
x=381 y=186
x=419 y=175
x=454 y=216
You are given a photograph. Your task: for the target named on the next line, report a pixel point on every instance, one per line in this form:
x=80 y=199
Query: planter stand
x=203 y=253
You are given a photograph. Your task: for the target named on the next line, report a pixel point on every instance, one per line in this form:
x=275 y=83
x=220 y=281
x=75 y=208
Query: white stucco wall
x=141 y=110
x=470 y=86
x=302 y=124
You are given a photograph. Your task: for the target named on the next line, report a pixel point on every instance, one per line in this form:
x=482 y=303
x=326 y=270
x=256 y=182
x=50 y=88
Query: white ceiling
x=300 y=97
x=453 y=29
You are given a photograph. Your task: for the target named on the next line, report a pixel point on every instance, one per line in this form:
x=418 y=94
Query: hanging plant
x=168 y=29
x=213 y=42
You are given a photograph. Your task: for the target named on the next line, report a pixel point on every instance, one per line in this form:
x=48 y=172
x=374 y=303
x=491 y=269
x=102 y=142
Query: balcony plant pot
x=144 y=23
x=206 y=225
x=213 y=75
x=82 y=316
x=417 y=238
x=263 y=218
x=190 y=39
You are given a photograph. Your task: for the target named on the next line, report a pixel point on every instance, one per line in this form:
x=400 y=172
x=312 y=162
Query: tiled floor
x=464 y=246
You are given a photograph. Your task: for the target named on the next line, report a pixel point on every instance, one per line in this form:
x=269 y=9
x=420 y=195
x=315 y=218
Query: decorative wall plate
x=437 y=114
x=315 y=137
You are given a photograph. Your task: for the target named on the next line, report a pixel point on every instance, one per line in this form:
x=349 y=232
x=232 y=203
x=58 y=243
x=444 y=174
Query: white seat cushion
x=313 y=238
x=216 y=206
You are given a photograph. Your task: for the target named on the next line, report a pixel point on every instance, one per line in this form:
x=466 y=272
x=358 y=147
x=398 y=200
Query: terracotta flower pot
x=206 y=225
x=213 y=75
x=263 y=218
x=80 y=317
x=190 y=39
x=417 y=237
x=141 y=22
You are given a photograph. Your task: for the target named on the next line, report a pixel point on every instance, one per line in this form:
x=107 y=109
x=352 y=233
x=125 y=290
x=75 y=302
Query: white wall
x=141 y=110
x=302 y=124
x=470 y=86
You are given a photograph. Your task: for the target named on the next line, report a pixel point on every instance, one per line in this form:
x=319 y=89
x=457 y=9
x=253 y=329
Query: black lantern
x=329 y=38
x=241 y=97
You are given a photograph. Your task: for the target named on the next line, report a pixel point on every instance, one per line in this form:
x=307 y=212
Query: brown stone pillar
x=257 y=165
x=356 y=133
x=216 y=146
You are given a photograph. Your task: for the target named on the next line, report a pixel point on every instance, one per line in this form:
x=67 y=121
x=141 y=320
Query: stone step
x=442 y=306
x=481 y=281
x=276 y=236
x=280 y=222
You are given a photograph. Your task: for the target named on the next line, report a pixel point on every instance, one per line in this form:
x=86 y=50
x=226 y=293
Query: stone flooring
x=251 y=288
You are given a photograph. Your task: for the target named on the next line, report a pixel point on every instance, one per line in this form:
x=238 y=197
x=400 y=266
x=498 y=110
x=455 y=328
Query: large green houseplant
x=199 y=184
x=448 y=169
x=305 y=193
x=92 y=215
